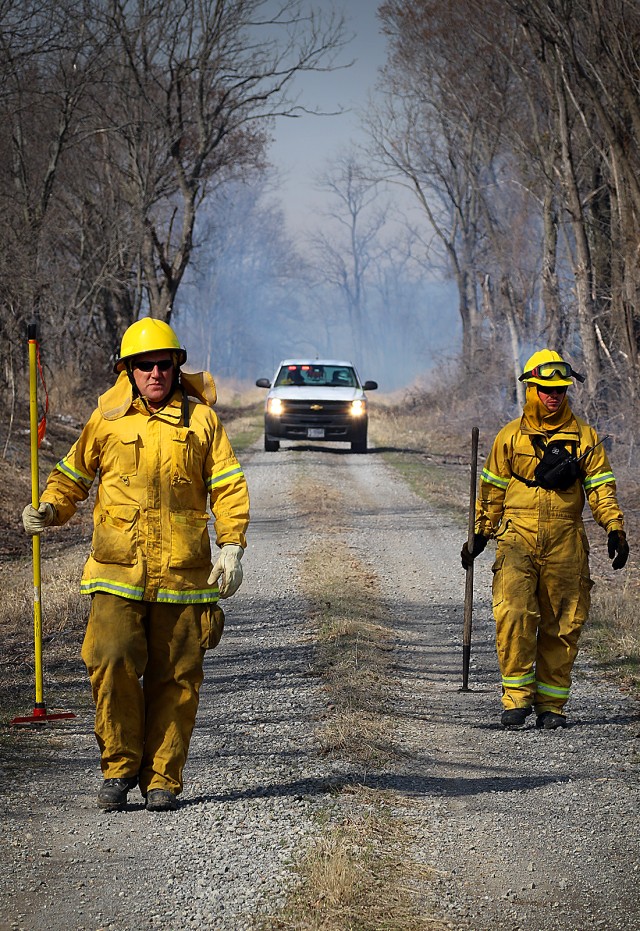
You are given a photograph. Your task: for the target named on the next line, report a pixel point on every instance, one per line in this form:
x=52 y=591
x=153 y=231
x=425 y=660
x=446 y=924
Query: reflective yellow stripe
x=603 y=478
x=553 y=690
x=113 y=588
x=167 y=596
x=492 y=479
x=221 y=478
x=512 y=682
x=74 y=474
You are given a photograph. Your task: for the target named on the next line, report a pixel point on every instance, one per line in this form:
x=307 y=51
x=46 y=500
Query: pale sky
x=303 y=146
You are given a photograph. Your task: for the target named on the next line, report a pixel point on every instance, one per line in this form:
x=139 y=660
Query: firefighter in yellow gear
x=161 y=457
x=532 y=492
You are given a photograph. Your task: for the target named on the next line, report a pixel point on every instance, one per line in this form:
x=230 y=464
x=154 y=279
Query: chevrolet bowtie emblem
x=316 y=407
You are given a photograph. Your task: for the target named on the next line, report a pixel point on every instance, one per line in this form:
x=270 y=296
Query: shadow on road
x=407 y=784
x=346 y=451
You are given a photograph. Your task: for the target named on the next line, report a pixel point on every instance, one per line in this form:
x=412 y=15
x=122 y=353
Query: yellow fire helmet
x=547 y=368
x=148 y=335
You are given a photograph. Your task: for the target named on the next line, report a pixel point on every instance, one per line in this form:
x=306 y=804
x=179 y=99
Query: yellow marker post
x=35 y=501
x=40 y=709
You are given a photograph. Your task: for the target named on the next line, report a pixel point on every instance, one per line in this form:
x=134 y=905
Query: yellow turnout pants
x=145 y=663
x=541 y=599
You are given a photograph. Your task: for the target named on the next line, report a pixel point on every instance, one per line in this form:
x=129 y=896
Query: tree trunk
x=582 y=268
x=550 y=290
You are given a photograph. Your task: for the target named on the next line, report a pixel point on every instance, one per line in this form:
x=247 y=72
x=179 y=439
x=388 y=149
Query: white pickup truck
x=316 y=399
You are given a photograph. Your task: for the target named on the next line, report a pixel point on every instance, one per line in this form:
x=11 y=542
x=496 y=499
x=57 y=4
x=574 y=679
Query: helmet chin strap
x=129 y=370
x=185 y=405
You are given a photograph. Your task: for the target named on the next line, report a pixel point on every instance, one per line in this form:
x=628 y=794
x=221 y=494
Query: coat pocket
x=497 y=588
x=115 y=536
x=181 y=457
x=190 y=545
x=119 y=461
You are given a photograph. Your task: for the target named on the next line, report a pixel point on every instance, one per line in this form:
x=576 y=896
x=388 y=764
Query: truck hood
x=311 y=393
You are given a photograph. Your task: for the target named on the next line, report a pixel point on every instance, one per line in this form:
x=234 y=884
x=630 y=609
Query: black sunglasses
x=553 y=389
x=147 y=366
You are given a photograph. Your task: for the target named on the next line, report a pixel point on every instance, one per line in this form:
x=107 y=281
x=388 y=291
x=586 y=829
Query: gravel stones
x=522 y=829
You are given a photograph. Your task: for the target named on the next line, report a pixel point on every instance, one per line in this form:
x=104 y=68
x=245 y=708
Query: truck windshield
x=322 y=376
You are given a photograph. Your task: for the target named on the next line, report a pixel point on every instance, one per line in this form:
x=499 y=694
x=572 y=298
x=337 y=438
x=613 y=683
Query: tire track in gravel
x=522 y=829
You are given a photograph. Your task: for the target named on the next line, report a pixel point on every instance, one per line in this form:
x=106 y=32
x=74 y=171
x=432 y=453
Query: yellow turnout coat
x=156 y=478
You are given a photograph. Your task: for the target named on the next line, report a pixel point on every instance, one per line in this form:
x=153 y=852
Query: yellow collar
x=117 y=400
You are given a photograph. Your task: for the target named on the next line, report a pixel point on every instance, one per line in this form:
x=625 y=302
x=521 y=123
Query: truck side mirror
x=263 y=383
x=370 y=386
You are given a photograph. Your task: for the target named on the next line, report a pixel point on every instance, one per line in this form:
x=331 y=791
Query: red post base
x=40 y=716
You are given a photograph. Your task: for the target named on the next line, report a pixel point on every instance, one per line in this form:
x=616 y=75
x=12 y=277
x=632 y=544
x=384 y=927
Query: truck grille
x=301 y=412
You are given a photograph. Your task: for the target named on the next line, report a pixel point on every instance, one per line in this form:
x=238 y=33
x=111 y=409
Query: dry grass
x=353 y=652
x=243 y=429
x=240 y=407
x=236 y=394
x=434 y=464
x=64 y=613
x=612 y=634
x=356 y=876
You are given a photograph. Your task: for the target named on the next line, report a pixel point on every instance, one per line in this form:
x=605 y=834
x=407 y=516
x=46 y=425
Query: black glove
x=617 y=544
x=479 y=543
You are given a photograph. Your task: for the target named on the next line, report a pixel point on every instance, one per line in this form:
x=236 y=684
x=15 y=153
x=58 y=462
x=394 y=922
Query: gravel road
x=535 y=830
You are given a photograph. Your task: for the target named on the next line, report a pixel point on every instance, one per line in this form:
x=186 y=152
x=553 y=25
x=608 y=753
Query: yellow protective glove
x=228 y=570
x=35 y=521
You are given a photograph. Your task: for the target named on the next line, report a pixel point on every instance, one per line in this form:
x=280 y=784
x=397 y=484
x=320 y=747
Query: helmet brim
x=121 y=363
x=550 y=382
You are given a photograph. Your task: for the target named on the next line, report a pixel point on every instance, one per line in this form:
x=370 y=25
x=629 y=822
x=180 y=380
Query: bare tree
x=192 y=90
x=434 y=135
x=350 y=246
x=242 y=295
x=45 y=75
x=120 y=118
x=588 y=50
x=542 y=97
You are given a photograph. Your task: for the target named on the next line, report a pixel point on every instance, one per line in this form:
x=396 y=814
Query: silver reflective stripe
x=113 y=588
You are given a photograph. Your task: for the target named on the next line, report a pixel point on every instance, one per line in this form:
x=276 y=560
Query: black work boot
x=161 y=800
x=515 y=717
x=551 y=720
x=113 y=794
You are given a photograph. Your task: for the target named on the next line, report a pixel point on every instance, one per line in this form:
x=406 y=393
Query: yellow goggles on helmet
x=547 y=371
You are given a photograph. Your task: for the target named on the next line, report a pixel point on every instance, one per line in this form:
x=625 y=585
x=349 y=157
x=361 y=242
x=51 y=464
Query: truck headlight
x=358 y=408
x=274 y=406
